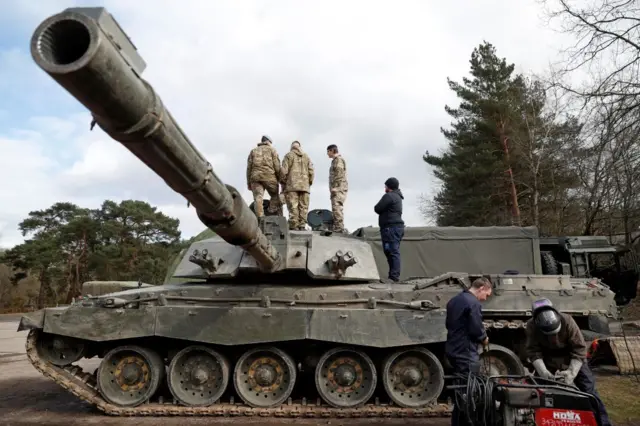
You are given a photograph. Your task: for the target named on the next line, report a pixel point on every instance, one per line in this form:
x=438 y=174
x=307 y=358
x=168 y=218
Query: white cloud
x=369 y=76
x=24 y=173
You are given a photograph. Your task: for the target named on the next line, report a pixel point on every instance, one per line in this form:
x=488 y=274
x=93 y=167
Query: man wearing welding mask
x=558 y=350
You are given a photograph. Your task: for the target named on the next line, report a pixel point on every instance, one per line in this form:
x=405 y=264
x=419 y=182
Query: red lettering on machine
x=556 y=417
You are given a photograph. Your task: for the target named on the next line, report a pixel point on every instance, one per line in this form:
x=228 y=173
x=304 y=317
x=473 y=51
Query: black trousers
x=391 y=238
x=586 y=383
x=463 y=367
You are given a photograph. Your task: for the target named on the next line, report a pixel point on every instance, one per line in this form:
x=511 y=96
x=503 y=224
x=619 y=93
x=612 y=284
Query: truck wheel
x=549 y=264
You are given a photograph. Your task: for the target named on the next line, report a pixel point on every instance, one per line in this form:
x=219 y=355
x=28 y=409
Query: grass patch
x=621 y=397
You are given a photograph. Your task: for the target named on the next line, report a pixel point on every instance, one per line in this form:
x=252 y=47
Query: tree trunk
x=627 y=231
x=43 y=287
x=536 y=203
x=514 y=194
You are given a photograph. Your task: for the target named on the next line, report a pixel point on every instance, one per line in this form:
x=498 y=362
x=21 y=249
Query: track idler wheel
x=264 y=377
x=59 y=350
x=198 y=376
x=499 y=361
x=345 y=378
x=130 y=375
x=412 y=378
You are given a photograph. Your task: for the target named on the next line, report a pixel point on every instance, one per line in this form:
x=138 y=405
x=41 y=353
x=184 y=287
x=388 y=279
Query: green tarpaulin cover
x=431 y=251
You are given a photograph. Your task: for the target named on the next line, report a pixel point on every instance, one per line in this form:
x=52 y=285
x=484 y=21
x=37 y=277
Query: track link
x=82 y=385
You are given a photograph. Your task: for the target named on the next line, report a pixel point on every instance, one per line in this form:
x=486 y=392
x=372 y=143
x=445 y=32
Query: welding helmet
x=545 y=317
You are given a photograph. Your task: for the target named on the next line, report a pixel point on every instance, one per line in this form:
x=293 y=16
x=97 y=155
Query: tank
x=255 y=320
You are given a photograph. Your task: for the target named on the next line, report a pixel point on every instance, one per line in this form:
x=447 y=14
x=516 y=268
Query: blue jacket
x=464 y=328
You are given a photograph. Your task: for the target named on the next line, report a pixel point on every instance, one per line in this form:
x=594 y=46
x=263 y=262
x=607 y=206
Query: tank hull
x=370 y=314
x=376 y=321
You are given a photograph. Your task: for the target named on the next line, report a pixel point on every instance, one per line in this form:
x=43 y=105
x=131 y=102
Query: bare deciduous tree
x=606 y=49
x=541 y=139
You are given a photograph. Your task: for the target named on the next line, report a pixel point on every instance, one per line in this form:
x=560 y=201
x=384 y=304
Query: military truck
x=264 y=321
x=430 y=251
x=593 y=256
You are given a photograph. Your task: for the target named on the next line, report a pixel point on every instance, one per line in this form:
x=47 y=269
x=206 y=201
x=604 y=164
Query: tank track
x=83 y=385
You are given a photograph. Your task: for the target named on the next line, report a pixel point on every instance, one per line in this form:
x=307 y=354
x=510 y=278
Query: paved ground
x=27 y=398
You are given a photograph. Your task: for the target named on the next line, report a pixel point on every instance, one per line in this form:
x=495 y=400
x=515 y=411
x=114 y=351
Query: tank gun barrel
x=86 y=52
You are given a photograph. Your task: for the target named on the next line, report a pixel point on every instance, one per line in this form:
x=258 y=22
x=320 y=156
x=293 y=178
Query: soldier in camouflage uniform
x=263 y=173
x=338 y=187
x=296 y=176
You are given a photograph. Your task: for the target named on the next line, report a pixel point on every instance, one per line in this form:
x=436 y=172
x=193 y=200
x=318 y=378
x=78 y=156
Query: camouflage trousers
x=298 y=206
x=258 y=188
x=337 y=205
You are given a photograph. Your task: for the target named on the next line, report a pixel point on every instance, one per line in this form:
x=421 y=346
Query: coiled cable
x=475 y=401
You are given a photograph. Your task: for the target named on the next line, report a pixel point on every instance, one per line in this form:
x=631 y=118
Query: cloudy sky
x=367 y=75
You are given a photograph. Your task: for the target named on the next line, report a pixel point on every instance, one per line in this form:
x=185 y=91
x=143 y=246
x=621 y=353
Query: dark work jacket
x=464 y=328
x=389 y=209
x=556 y=354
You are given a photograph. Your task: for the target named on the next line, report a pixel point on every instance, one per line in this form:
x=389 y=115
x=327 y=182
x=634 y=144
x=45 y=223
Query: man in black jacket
x=389 y=209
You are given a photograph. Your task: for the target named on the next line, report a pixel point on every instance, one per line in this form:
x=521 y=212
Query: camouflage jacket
x=296 y=173
x=338 y=174
x=556 y=355
x=263 y=164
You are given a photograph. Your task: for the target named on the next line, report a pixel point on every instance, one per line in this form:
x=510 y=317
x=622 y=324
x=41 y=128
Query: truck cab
x=593 y=256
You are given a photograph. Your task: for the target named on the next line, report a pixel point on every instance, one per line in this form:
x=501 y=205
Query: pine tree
x=476 y=186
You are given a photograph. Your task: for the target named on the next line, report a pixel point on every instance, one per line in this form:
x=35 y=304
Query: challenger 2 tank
x=256 y=320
